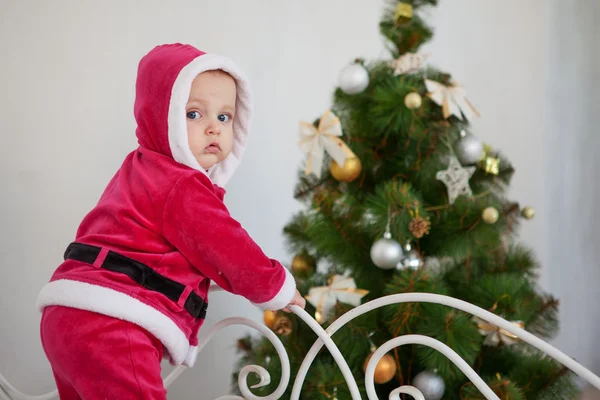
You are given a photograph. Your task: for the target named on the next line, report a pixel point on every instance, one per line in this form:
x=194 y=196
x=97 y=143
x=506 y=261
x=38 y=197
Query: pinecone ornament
x=419 y=226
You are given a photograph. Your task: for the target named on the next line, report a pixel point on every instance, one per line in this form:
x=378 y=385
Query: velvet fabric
x=163 y=211
x=98 y=357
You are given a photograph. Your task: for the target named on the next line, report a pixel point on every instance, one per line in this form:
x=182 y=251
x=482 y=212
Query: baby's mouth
x=213 y=148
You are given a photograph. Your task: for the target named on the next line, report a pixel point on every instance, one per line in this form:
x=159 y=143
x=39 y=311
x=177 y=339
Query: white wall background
x=67 y=85
x=571 y=146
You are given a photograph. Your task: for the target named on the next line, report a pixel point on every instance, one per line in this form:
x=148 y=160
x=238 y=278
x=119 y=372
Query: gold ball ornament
x=349 y=172
x=490 y=215
x=413 y=100
x=303 y=264
x=528 y=213
x=269 y=318
x=385 y=369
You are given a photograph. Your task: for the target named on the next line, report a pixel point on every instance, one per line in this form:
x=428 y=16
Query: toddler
x=133 y=288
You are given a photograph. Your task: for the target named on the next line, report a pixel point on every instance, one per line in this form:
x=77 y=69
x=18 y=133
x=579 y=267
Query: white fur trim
x=285 y=295
x=192 y=354
x=178 y=137
x=119 y=305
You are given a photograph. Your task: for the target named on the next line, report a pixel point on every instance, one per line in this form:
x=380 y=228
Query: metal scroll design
x=263 y=374
x=8 y=392
x=325 y=338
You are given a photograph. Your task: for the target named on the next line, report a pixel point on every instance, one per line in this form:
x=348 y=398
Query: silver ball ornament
x=354 y=79
x=411 y=260
x=469 y=149
x=386 y=253
x=431 y=385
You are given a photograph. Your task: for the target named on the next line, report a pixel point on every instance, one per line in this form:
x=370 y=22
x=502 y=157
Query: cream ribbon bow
x=495 y=335
x=452 y=99
x=315 y=141
x=340 y=288
x=409 y=63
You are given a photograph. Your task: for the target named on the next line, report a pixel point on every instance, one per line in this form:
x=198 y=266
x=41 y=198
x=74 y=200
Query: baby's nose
x=213 y=129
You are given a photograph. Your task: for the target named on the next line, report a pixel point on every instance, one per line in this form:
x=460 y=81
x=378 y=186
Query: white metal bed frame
x=8 y=392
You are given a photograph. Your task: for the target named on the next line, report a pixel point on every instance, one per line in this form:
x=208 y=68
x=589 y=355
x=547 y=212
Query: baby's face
x=209 y=113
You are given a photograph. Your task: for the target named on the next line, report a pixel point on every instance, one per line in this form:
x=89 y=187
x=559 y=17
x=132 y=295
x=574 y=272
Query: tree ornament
x=491 y=165
x=495 y=335
x=349 y=172
x=325 y=137
x=354 y=78
x=319 y=317
x=408 y=63
x=490 y=215
x=303 y=265
x=452 y=99
x=403 y=13
x=419 y=226
x=469 y=149
x=339 y=288
x=282 y=325
x=456 y=178
x=430 y=384
x=528 y=213
x=412 y=260
x=413 y=100
x=386 y=252
x=269 y=317
x=368 y=217
x=385 y=369
x=489 y=162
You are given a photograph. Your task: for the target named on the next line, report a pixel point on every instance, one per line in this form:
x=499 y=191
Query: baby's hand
x=298 y=300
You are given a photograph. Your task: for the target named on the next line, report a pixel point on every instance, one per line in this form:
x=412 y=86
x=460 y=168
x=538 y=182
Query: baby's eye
x=193 y=115
x=224 y=118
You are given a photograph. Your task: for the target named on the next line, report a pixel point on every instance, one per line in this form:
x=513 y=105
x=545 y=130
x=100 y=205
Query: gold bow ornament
x=403 y=12
x=315 y=142
x=339 y=288
x=452 y=99
x=495 y=335
x=489 y=163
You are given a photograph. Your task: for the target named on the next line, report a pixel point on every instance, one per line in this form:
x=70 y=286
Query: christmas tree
x=402 y=197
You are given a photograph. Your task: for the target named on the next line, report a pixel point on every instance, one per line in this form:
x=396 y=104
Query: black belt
x=141 y=274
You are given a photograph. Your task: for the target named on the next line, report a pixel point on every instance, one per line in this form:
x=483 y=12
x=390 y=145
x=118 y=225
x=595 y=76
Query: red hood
x=163 y=86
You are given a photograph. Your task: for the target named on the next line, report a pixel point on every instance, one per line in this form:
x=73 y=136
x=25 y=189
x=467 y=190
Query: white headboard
x=8 y=392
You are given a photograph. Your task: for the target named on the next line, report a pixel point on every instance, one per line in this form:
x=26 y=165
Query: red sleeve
x=197 y=223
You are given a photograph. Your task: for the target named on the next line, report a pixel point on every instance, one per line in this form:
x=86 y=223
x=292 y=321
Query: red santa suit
x=160 y=233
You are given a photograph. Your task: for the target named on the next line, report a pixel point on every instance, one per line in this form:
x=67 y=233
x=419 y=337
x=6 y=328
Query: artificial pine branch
x=463 y=254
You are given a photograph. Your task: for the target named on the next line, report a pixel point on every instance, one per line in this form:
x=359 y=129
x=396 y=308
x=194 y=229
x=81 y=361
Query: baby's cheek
x=190 y=132
x=194 y=142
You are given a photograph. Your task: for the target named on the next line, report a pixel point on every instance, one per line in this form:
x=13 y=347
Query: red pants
x=98 y=357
